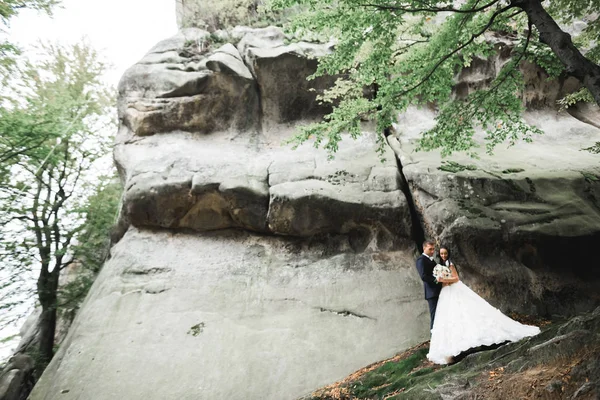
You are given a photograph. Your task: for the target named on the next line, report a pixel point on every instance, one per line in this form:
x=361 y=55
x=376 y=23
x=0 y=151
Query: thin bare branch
x=453 y=52
x=431 y=9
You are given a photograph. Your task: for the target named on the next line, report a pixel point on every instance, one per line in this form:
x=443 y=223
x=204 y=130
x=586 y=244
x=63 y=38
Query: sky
x=122 y=31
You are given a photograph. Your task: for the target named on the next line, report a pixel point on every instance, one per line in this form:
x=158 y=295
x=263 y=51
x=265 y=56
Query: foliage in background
x=411 y=51
x=226 y=14
x=55 y=123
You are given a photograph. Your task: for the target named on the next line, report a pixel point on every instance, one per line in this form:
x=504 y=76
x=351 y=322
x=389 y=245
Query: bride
x=464 y=320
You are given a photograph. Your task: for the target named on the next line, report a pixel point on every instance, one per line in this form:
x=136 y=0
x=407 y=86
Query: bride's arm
x=454 y=277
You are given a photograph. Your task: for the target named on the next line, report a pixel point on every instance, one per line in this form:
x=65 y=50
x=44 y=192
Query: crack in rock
x=148 y=271
x=346 y=313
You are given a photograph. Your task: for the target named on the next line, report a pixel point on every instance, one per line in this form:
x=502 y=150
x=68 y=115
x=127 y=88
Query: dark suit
x=432 y=289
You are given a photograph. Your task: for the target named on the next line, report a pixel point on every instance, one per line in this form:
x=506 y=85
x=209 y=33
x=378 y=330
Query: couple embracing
x=461 y=319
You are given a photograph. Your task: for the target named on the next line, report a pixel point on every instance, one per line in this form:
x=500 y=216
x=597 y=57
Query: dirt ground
x=560 y=380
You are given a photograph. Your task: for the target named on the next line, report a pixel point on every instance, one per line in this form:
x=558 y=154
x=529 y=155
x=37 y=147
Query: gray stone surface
x=188 y=83
x=539 y=92
x=522 y=223
x=251 y=181
x=280 y=72
x=10 y=382
x=16 y=378
x=231 y=315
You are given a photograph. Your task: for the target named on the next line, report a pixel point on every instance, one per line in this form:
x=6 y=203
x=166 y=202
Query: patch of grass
x=454 y=167
x=423 y=371
x=391 y=376
x=595 y=149
x=590 y=177
x=196 y=329
x=8 y=338
x=513 y=170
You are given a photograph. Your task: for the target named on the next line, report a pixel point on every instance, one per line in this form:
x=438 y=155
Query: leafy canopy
x=410 y=53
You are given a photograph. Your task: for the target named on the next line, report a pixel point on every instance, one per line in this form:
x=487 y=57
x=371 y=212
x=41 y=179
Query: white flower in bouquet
x=441 y=271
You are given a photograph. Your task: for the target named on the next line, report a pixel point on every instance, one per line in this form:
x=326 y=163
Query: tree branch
x=430 y=9
x=453 y=52
x=65 y=265
x=561 y=44
x=516 y=63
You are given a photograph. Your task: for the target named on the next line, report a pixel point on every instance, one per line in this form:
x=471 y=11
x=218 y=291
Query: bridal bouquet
x=441 y=271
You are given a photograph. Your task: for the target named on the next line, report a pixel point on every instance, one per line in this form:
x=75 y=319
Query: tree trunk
x=560 y=42
x=47 y=293
x=47 y=324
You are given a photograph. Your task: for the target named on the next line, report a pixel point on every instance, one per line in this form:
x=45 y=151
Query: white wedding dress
x=464 y=320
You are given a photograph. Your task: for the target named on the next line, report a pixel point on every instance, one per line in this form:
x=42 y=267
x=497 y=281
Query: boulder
x=17 y=377
x=189 y=83
x=10 y=384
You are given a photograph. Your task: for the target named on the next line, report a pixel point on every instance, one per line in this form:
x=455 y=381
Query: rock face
x=175 y=86
x=522 y=222
x=246 y=264
x=17 y=377
x=213 y=174
x=234 y=314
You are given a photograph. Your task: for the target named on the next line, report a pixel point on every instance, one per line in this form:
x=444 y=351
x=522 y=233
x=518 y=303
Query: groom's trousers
x=432 y=306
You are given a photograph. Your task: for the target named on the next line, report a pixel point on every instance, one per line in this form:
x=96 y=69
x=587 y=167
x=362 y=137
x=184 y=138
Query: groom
x=425 y=264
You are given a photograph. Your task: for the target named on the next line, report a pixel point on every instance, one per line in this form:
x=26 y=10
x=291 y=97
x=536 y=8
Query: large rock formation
x=246 y=263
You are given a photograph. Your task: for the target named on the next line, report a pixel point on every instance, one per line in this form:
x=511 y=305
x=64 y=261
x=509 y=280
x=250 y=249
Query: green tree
x=16 y=142
x=60 y=103
x=8 y=9
x=410 y=52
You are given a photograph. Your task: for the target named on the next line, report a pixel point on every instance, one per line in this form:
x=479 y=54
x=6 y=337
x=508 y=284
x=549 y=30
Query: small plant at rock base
x=595 y=149
x=590 y=177
x=40 y=362
x=196 y=329
x=216 y=41
x=189 y=43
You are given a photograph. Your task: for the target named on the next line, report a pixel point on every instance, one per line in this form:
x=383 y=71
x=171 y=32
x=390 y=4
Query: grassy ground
x=561 y=362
